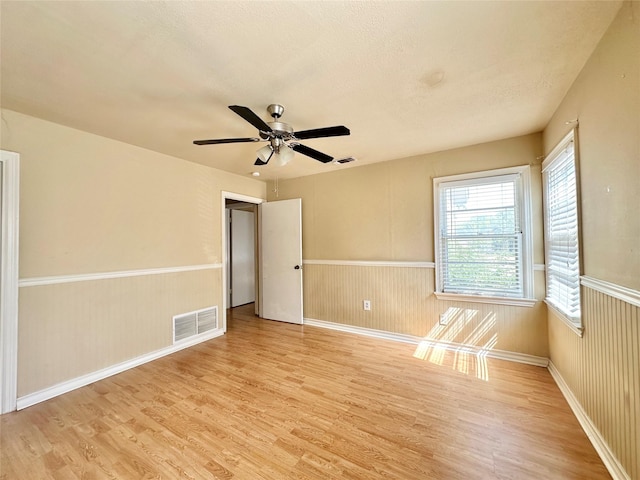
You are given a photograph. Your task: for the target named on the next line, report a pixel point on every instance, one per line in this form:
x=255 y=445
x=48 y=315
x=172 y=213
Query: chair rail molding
x=85 y=277
x=370 y=263
x=625 y=294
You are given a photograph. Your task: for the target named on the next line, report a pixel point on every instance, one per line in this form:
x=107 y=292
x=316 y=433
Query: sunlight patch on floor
x=456 y=342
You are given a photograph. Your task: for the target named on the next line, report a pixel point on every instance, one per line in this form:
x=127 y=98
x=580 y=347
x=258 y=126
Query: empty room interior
x=320 y=240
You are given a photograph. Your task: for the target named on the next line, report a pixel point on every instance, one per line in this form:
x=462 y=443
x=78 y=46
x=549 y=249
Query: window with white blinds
x=482 y=235
x=562 y=245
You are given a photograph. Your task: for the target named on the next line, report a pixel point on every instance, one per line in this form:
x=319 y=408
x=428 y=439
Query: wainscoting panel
x=402 y=301
x=602 y=369
x=68 y=330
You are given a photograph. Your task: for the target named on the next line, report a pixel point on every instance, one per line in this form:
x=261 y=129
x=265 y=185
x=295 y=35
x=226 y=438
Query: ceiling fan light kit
x=283 y=140
x=285 y=154
x=264 y=155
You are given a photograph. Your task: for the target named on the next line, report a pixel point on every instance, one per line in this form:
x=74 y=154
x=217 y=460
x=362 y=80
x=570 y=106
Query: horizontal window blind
x=480 y=237
x=561 y=232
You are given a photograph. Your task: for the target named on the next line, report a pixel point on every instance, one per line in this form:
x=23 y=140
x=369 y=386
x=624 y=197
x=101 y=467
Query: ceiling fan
x=283 y=140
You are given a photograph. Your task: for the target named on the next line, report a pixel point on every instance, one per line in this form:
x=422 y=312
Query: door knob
x=297 y=267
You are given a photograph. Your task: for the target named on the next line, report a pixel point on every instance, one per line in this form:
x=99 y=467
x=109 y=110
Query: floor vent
x=194 y=323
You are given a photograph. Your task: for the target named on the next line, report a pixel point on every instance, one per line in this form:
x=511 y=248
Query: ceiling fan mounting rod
x=275 y=110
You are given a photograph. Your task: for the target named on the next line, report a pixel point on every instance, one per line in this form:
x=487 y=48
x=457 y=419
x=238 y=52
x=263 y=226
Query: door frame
x=9 y=281
x=225 y=288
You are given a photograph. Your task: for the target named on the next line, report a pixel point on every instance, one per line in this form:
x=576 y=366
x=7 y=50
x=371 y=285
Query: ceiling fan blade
x=225 y=140
x=310 y=152
x=323 y=132
x=251 y=117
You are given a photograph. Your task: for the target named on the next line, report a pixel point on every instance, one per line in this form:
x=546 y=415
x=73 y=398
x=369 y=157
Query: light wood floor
x=271 y=400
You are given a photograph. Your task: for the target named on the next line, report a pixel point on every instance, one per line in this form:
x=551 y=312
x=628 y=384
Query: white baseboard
x=400 y=337
x=369 y=332
x=610 y=461
x=69 y=385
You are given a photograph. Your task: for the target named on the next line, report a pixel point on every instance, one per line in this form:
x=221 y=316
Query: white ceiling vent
x=345 y=160
x=194 y=323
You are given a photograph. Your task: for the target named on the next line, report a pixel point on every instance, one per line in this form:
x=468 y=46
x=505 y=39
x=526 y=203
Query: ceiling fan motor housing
x=281 y=130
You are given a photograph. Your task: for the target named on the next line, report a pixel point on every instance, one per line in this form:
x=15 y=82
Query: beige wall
x=602 y=368
x=72 y=329
x=605 y=98
x=402 y=302
x=90 y=205
x=384 y=212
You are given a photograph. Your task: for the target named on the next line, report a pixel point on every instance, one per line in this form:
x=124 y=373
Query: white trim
x=400 y=337
x=37 y=281
x=368 y=332
x=577 y=329
x=527 y=237
x=223 y=232
x=69 y=385
x=241 y=197
x=613 y=290
x=538 y=267
x=516 y=170
x=459 y=297
x=560 y=146
x=599 y=443
x=497 y=354
x=560 y=156
x=370 y=263
x=9 y=282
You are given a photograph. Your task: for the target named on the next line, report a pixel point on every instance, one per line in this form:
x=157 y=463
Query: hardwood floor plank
x=273 y=401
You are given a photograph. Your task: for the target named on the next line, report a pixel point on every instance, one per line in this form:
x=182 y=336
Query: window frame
x=551 y=160
x=523 y=201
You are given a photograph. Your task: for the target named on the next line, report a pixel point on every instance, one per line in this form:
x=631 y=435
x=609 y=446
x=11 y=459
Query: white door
x=281 y=260
x=243 y=267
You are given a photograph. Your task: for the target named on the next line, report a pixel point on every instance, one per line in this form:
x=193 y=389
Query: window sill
x=458 y=297
x=578 y=330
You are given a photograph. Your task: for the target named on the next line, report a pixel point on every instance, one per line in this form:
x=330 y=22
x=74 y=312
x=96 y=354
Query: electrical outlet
x=443 y=319
x=366 y=304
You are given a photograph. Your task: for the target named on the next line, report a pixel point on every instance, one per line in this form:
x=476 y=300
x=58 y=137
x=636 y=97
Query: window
x=483 y=241
x=561 y=236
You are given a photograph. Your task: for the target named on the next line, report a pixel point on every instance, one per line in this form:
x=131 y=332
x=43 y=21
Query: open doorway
x=241 y=257
x=277 y=258
x=241 y=251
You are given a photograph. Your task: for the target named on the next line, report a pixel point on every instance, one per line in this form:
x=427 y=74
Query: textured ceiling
x=406 y=77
